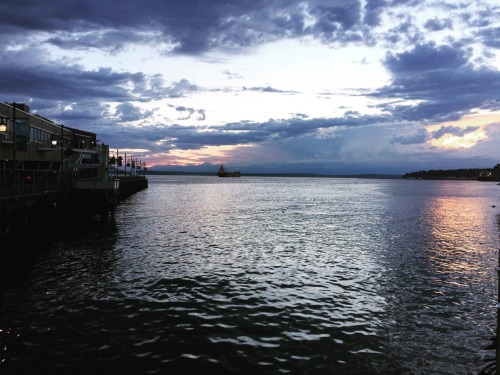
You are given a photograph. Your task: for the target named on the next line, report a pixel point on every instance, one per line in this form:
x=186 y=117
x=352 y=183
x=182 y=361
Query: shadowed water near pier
x=265 y=275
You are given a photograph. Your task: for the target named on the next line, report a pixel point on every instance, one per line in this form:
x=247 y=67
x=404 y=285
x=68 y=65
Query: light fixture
x=54 y=142
x=3 y=124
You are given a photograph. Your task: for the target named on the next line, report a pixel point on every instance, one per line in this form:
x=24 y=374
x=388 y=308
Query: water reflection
x=459 y=230
x=439 y=266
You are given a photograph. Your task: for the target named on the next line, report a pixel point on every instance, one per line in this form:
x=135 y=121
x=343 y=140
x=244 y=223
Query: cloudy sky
x=327 y=86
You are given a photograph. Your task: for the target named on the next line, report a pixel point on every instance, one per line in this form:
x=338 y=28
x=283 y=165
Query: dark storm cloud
x=52 y=87
x=425 y=58
x=66 y=83
x=333 y=18
x=190 y=26
x=490 y=36
x=178 y=89
x=84 y=112
x=24 y=76
x=419 y=137
x=437 y=24
x=196 y=26
x=453 y=130
x=186 y=113
x=112 y=40
x=441 y=78
x=129 y=112
x=373 y=11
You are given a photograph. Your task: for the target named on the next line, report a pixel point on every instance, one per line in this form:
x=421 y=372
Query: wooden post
x=14 y=136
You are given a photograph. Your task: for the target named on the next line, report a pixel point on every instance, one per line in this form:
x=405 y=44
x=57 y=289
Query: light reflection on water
x=267 y=275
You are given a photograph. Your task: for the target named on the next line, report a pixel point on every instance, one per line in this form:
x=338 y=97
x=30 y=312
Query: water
x=265 y=275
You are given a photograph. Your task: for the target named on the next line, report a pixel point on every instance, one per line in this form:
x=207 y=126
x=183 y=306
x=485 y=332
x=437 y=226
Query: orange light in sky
x=208 y=154
x=468 y=140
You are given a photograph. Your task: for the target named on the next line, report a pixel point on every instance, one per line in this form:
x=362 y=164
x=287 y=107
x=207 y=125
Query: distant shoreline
x=308 y=175
x=374 y=176
x=478 y=174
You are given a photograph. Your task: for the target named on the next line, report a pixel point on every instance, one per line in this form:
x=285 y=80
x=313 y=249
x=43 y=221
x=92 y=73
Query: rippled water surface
x=265 y=275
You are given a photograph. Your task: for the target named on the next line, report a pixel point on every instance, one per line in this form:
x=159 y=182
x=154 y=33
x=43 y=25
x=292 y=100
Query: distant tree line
x=443 y=174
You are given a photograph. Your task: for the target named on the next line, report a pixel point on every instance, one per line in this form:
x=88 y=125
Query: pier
x=52 y=177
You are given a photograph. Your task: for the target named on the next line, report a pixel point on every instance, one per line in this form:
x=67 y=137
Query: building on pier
x=35 y=153
x=54 y=166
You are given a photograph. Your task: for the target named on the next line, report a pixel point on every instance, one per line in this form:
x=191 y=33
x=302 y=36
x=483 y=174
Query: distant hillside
x=448 y=174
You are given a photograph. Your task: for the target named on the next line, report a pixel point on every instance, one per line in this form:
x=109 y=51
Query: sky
x=320 y=86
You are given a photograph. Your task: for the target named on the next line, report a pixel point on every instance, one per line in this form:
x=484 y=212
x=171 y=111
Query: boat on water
x=225 y=173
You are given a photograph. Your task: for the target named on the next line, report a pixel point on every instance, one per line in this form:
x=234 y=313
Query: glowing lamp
x=3 y=125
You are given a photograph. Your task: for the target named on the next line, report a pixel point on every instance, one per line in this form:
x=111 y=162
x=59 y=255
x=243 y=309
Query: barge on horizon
x=225 y=173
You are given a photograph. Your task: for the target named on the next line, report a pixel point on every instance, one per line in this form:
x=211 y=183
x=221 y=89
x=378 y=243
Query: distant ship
x=224 y=173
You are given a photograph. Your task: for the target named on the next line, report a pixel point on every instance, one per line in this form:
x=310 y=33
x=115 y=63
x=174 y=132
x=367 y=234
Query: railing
x=28 y=179
x=12 y=191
